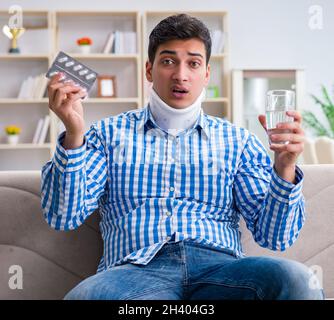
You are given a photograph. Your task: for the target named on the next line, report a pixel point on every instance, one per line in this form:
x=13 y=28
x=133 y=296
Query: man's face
x=179 y=72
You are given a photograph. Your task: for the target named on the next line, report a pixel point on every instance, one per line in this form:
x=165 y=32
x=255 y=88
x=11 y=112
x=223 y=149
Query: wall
x=263 y=33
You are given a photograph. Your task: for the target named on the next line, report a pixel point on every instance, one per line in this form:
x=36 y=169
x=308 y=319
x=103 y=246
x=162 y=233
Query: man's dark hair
x=180 y=26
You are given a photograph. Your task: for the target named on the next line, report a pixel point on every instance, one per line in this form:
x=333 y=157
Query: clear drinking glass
x=277 y=104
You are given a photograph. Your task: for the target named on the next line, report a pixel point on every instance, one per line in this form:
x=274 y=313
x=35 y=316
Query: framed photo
x=106 y=86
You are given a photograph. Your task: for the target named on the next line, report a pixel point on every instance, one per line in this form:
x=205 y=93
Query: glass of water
x=277 y=104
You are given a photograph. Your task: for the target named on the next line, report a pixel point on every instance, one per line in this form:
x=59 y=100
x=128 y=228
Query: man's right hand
x=64 y=101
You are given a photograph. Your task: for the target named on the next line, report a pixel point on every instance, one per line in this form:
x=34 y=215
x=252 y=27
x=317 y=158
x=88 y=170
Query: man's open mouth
x=179 y=92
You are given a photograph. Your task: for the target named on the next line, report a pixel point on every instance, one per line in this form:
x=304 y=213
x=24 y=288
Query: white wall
x=263 y=33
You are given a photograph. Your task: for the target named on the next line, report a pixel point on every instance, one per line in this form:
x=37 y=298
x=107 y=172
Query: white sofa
x=53 y=262
x=319 y=150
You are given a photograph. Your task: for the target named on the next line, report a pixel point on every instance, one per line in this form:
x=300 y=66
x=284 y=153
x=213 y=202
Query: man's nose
x=181 y=73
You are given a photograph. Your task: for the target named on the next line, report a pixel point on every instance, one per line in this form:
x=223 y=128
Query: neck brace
x=174 y=120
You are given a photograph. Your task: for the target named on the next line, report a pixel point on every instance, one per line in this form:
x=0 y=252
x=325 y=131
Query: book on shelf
x=109 y=43
x=120 y=42
x=33 y=87
x=218 y=41
x=41 y=130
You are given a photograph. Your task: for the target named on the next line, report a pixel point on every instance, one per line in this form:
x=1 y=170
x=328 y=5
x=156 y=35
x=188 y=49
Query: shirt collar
x=147 y=121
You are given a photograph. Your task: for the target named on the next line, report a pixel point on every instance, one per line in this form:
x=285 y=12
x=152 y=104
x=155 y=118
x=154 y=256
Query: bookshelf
x=35 y=57
x=48 y=32
x=126 y=67
x=220 y=77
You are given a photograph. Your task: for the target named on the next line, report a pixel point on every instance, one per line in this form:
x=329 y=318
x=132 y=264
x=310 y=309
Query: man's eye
x=195 y=64
x=167 y=61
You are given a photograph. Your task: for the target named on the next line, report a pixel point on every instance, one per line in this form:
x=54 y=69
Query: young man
x=171 y=184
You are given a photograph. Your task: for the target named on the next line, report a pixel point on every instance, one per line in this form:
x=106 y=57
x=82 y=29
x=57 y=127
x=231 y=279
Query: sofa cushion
x=41 y=278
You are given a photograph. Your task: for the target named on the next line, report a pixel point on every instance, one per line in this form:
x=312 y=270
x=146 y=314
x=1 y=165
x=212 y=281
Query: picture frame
x=106 y=86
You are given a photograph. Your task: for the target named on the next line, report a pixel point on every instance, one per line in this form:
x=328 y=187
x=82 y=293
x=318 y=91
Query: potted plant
x=84 y=44
x=327 y=108
x=321 y=149
x=13 y=134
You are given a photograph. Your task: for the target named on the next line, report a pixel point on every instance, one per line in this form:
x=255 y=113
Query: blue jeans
x=186 y=270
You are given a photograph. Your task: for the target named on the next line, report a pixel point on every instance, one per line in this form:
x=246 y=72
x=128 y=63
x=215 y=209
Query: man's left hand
x=286 y=154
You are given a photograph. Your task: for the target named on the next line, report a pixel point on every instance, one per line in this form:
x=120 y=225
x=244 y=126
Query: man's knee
x=295 y=281
x=94 y=288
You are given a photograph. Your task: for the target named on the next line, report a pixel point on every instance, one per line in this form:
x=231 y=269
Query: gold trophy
x=13 y=34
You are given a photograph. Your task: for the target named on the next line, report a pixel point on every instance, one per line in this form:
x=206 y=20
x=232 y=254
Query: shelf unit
x=249 y=88
x=35 y=57
x=48 y=32
x=71 y=25
x=220 y=73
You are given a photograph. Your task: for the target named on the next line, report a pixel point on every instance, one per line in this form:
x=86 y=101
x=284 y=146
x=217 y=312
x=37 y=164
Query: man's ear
x=149 y=71
x=207 y=75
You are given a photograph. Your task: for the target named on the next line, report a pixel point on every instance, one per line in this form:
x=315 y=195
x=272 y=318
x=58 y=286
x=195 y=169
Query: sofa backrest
x=315 y=245
x=53 y=262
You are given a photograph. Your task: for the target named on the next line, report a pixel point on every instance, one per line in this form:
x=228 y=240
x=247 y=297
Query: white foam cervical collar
x=171 y=119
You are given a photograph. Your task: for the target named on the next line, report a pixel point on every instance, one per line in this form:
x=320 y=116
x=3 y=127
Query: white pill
x=82 y=72
x=90 y=76
x=63 y=59
x=69 y=64
x=78 y=67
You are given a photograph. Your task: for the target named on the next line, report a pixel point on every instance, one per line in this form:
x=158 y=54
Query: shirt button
x=171 y=189
x=168 y=213
x=64 y=162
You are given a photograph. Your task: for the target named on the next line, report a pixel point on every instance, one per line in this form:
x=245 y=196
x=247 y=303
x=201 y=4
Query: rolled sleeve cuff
x=71 y=159
x=286 y=191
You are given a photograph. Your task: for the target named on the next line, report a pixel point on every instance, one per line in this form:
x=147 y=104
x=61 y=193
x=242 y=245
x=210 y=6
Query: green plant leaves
x=327 y=108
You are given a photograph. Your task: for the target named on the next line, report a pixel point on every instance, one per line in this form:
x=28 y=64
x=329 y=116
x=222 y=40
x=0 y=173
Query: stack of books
x=33 y=87
x=120 y=42
x=41 y=130
x=218 y=41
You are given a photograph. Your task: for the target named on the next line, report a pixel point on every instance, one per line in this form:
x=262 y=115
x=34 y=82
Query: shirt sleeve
x=73 y=181
x=273 y=209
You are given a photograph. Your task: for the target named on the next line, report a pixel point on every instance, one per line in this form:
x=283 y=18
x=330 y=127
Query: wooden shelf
x=22 y=101
x=20 y=56
x=218 y=56
x=112 y=100
x=219 y=99
x=104 y=56
x=5 y=146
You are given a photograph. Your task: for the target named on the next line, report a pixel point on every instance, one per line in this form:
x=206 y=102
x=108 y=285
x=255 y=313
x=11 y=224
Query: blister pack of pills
x=72 y=70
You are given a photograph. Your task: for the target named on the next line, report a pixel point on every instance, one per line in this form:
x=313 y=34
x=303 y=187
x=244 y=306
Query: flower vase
x=13 y=139
x=84 y=49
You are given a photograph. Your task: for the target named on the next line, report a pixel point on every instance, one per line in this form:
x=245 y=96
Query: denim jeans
x=186 y=270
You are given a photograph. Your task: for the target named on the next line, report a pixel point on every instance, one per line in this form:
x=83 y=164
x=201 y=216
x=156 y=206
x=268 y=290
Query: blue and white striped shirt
x=151 y=187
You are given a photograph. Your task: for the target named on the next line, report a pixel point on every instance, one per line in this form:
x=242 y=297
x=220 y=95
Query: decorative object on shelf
x=84 y=44
x=13 y=134
x=106 y=86
x=311 y=121
x=212 y=92
x=13 y=34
